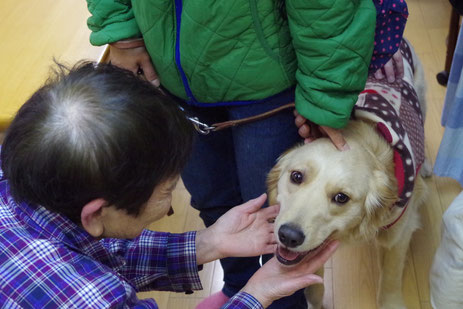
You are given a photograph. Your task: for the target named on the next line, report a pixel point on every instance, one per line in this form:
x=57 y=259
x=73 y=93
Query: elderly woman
x=88 y=162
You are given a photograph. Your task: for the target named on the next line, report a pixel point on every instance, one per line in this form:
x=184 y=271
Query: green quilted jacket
x=225 y=52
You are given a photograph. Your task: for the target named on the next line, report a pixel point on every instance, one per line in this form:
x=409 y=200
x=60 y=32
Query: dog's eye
x=297 y=177
x=340 y=198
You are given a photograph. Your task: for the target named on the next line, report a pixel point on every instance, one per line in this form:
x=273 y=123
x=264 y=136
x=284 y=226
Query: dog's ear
x=381 y=197
x=382 y=191
x=272 y=183
x=382 y=187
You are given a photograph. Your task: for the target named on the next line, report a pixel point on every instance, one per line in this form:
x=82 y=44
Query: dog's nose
x=290 y=236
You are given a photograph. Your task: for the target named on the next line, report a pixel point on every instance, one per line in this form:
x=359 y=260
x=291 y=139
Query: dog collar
x=397 y=219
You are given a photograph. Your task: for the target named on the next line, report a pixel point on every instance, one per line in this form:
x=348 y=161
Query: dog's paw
x=426 y=169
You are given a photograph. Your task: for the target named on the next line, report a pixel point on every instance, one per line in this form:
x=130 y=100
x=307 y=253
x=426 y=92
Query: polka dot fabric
x=391 y=17
x=396 y=111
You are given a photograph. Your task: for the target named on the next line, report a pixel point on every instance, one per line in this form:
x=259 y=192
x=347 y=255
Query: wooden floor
x=33 y=34
x=35 y=31
x=351 y=275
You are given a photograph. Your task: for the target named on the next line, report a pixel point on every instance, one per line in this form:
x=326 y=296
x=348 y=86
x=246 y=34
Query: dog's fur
x=365 y=173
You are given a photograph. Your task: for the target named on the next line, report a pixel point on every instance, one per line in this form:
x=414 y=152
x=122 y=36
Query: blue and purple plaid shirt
x=47 y=261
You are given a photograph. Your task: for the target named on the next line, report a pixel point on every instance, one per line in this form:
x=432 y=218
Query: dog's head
x=326 y=194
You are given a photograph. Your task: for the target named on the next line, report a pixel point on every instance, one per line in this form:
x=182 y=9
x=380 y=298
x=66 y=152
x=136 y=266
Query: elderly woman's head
x=94 y=132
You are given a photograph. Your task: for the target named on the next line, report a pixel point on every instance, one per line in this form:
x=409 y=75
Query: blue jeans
x=230 y=167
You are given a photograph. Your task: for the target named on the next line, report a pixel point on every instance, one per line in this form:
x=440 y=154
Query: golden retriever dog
x=351 y=196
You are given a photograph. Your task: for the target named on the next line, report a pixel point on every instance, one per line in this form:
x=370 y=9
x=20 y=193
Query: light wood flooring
x=35 y=31
x=33 y=34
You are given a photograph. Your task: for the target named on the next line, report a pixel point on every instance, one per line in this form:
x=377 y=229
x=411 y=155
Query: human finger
x=304 y=131
x=272 y=241
x=310 y=279
x=299 y=120
x=254 y=204
x=132 y=67
x=316 y=262
x=379 y=74
x=270 y=211
x=389 y=70
x=336 y=137
x=309 y=140
x=314 y=133
x=269 y=249
x=399 y=64
x=122 y=58
x=304 y=281
x=150 y=73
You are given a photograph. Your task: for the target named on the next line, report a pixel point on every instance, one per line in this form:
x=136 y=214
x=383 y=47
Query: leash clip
x=200 y=127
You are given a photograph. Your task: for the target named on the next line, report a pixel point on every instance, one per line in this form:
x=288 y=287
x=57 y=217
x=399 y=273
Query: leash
x=205 y=129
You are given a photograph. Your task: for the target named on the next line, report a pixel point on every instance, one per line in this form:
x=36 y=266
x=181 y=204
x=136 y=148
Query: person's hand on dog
x=275 y=280
x=393 y=69
x=310 y=131
x=245 y=230
x=136 y=60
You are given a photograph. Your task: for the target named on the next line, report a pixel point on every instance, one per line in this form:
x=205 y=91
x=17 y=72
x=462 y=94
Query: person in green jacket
x=227 y=60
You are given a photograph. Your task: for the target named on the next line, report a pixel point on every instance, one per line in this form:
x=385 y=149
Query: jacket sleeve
x=333 y=41
x=111 y=21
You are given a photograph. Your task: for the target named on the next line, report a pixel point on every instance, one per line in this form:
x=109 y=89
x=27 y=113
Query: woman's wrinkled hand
x=275 y=280
x=245 y=230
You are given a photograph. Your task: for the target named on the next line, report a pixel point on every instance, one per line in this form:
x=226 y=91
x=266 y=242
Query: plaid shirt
x=47 y=261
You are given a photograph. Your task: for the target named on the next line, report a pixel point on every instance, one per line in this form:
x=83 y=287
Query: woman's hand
x=310 y=131
x=245 y=230
x=275 y=280
x=136 y=60
x=393 y=69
